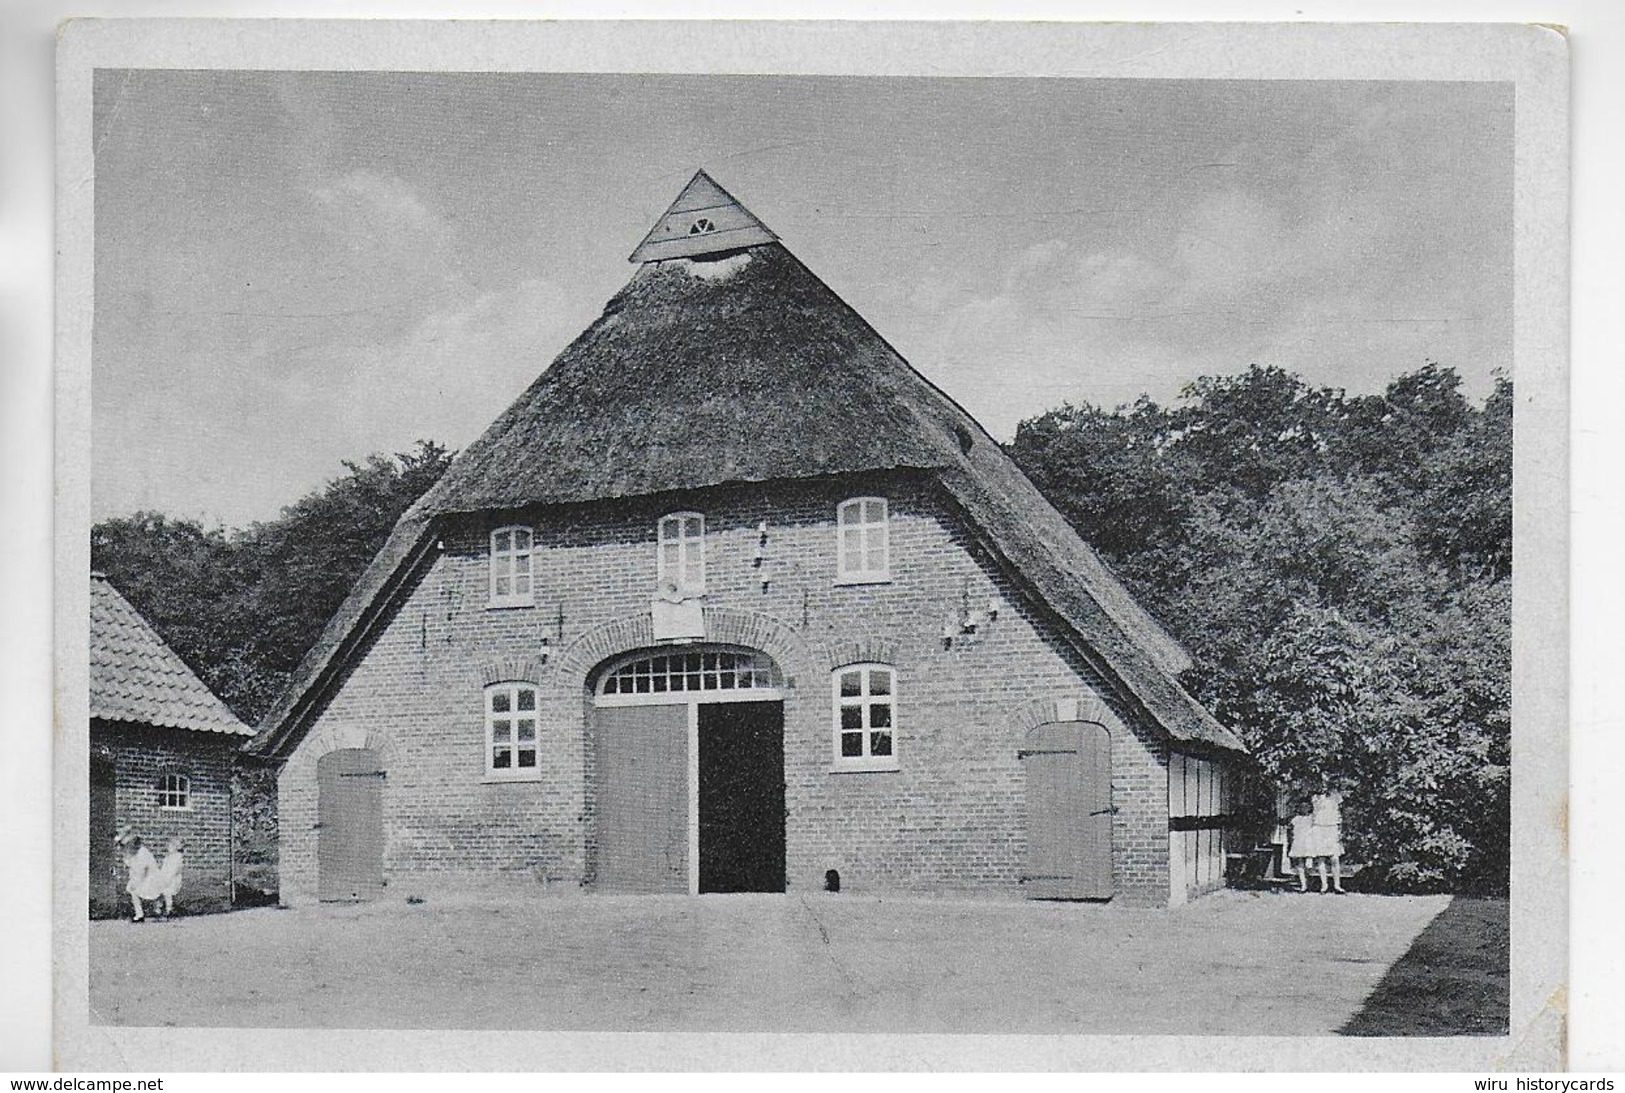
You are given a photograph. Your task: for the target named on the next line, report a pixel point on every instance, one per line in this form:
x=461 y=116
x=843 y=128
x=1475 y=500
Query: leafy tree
x=1464 y=516
x=1338 y=566
x=1394 y=437
x=186 y=581
x=1108 y=475
x=242 y=608
x=1248 y=433
x=305 y=563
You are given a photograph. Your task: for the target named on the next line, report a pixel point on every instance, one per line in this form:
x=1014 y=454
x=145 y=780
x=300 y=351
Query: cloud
x=372 y=206
x=1228 y=280
x=445 y=378
x=375 y=255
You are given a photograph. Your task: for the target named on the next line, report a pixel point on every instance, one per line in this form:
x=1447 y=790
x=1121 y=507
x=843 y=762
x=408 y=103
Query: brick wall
x=141 y=755
x=951 y=818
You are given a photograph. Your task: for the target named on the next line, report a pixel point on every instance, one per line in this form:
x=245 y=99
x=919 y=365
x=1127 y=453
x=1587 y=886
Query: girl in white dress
x=1302 y=845
x=1328 y=815
x=1317 y=834
x=143 y=869
x=169 y=874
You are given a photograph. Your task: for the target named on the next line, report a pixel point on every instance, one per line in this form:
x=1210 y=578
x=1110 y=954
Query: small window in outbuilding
x=174 y=791
x=702 y=226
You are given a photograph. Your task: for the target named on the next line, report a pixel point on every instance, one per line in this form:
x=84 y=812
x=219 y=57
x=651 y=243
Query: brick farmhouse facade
x=973 y=705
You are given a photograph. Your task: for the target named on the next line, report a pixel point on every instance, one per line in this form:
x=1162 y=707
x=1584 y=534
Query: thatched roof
x=742 y=366
x=703 y=371
x=136 y=677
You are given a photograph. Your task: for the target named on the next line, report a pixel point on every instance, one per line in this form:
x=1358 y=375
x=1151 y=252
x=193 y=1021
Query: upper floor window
x=682 y=553
x=510 y=730
x=865 y=717
x=862 y=552
x=511 y=567
x=174 y=791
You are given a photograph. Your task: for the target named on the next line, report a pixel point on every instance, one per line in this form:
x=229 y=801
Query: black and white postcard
x=805 y=546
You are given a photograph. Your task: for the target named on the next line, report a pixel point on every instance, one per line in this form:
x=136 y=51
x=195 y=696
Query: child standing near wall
x=1317 y=834
x=1302 y=846
x=142 y=868
x=1327 y=811
x=169 y=874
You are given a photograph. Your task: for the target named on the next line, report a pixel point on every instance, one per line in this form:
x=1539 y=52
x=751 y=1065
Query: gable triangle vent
x=705 y=219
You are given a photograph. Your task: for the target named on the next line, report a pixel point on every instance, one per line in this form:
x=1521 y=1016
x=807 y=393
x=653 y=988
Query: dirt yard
x=1237 y=963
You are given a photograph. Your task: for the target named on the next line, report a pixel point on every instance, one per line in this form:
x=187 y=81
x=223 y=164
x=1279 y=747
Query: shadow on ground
x=1451 y=982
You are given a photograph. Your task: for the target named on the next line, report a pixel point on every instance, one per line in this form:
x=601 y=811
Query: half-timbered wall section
x=1199 y=794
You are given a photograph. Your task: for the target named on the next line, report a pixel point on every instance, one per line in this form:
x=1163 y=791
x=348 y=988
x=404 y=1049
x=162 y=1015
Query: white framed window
x=865 y=717
x=862 y=549
x=511 y=578
x=711 y=670
x=682 y=553
x=174 y=791
x=512 y=732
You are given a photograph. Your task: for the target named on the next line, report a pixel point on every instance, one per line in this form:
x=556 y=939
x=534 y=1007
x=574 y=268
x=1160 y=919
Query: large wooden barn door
x=741 y=797
x=641 y=754
x=350 y=818
x=1069 y=811
x=104 y=886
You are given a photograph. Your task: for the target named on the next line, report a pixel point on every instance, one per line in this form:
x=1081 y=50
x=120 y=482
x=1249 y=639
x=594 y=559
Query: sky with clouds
x=295 y=269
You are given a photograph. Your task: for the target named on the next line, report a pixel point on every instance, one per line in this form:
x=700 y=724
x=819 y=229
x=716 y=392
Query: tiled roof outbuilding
x=136 y=677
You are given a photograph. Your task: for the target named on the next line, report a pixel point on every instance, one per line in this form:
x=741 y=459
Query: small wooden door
x=350 y=821
x=1069 y=811
x=104 y=864
x=641 y=756
x=741 y=797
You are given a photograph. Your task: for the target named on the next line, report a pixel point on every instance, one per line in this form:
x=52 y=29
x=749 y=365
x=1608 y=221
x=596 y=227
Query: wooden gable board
x=705 y=219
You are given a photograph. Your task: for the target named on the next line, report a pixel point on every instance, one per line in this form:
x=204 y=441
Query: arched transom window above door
x=704 y=672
